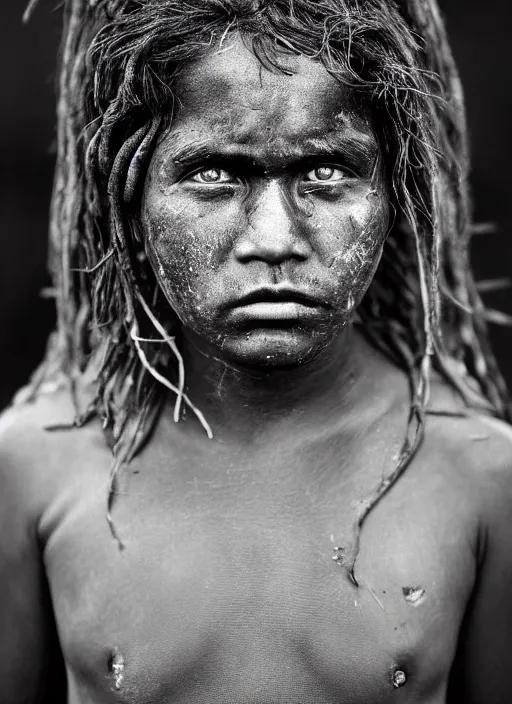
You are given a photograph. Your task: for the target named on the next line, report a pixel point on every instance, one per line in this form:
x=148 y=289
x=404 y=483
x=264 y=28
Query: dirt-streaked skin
x=268 y=219
x=227 y=591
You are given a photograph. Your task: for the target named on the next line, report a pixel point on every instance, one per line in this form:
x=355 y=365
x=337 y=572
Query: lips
x=278 y=295
x=275 y=304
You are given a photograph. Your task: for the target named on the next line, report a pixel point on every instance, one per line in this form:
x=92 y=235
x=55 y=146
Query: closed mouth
x=279 y=308
x=278 y=296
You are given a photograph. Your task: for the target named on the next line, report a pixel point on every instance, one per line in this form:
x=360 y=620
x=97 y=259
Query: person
x=267 y=457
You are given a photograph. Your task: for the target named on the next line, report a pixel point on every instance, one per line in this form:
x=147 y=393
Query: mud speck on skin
x=338 y=555
x=414 y=595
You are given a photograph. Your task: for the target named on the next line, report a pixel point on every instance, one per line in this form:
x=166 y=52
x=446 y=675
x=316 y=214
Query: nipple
x=116 y=667
x=399 y=679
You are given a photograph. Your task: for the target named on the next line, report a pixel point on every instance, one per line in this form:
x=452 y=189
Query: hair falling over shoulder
x=119 y=59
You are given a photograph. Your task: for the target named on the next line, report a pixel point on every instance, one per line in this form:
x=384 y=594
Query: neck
x=244 y=402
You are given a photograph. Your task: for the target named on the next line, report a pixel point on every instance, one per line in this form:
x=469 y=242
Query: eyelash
x=334 y=167
x=211 y=168
x=232 y=178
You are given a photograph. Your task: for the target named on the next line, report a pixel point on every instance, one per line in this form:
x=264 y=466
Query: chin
x=272 y=350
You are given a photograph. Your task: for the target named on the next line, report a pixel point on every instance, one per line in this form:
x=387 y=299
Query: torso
x=226 y=590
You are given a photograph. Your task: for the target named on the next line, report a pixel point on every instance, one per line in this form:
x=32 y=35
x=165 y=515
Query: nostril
x=274 y=250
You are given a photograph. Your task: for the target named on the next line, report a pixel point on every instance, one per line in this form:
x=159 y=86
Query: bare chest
x=229 y=593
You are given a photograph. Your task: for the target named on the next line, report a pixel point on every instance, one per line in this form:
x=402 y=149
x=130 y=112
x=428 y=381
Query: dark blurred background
x=480 y=34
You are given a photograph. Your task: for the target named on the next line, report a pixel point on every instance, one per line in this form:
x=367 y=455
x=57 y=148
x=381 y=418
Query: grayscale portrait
x=267 y=455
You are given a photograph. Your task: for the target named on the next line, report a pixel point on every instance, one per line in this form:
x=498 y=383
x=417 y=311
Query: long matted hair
x=118 y=64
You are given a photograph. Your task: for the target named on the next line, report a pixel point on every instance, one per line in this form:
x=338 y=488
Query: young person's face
x=265 y=208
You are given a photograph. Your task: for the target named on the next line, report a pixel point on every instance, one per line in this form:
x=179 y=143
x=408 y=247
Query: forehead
x=230 y=96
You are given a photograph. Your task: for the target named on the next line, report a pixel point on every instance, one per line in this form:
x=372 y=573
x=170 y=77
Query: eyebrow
x=355 y=147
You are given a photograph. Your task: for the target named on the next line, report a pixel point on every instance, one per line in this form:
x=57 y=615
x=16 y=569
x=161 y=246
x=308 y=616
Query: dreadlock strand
x=138 y=161
x=29 y=10
x=119 y=62
x=119 y=168
x=415 y=434
x=164 y=381
x=172 y=344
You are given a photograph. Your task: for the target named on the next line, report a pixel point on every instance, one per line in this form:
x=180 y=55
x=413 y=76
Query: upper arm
x=27 y=632
x=484 y=666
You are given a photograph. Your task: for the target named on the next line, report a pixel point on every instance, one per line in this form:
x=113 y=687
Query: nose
x=273 y=232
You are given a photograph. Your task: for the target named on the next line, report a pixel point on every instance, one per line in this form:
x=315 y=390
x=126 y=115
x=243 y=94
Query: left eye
x=325 y=173
x=212 y=176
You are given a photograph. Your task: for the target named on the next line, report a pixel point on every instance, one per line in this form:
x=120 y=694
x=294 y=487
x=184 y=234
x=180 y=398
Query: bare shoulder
x=477 y=461
x=39 y=448
x=38 y=484
x=478 y=452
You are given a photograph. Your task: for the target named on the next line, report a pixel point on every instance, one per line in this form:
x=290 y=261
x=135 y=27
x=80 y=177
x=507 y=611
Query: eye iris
x=210 y=175
x=324 y=173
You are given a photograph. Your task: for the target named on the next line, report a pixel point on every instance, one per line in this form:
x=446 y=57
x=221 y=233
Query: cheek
x=181 y=262
x=355 y=247
x=186 y=249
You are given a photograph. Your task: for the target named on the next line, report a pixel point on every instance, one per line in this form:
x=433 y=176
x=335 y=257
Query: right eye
x=212 y=176
x=326 y=174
